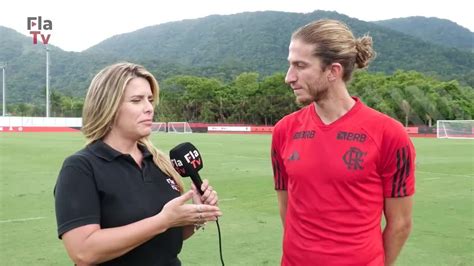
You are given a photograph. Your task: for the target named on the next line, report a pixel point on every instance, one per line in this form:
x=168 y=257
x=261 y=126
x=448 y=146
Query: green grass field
x=238 y=166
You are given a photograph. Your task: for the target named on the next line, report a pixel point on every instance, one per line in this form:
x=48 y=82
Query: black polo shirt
x=100 y=185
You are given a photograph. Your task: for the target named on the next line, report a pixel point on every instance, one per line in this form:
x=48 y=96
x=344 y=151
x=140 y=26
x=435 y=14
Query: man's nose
x=290 y=76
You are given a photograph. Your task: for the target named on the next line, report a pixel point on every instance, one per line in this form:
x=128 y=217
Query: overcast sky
x=80 y=24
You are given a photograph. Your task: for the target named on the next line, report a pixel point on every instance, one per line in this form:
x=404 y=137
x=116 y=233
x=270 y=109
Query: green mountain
x=70 y=72
x=439 y=31
x=213 y=46
x=259 y=41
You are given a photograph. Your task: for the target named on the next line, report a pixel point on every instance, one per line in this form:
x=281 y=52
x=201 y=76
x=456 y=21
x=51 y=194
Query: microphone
x=187 y=161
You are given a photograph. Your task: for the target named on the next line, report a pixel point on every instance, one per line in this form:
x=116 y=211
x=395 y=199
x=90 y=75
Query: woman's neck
x=121 y=144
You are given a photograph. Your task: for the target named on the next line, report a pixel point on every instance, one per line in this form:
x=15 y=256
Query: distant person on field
x=338 y=164
x=119 y=201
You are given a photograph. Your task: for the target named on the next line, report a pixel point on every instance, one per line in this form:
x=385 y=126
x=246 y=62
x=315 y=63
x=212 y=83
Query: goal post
x=179 y=127
x=455 y=129
x=158 y=127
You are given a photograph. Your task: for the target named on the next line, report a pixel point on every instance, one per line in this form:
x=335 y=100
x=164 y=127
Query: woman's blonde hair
x=103 y=100
x=334 y=43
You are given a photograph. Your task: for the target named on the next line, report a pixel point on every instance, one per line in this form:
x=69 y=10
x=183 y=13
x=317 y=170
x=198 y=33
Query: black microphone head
x=186 y=159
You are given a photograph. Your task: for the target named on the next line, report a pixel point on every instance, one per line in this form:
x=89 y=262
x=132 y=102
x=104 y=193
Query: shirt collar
x=104 y=151
x=146 y=153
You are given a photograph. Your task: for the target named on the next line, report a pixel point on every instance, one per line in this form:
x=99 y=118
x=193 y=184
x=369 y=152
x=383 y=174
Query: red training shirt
x=337 y=177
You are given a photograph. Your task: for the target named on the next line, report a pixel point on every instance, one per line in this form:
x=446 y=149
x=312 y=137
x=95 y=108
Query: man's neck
x=334 y=107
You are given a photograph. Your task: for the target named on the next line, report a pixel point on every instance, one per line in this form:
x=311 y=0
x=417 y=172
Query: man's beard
x=316 y=95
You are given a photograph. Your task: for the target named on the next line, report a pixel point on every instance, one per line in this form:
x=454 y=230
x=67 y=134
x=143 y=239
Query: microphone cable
x=220 y=241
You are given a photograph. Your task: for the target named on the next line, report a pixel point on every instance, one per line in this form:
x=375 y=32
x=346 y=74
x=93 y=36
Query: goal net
x=179 y=127
x=158 y=127
x=455 y=129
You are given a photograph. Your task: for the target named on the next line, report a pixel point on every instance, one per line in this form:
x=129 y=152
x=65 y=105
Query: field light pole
x=3 y=66
x=47 y=81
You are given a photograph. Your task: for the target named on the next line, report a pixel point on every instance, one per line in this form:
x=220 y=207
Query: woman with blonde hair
x=119 y=200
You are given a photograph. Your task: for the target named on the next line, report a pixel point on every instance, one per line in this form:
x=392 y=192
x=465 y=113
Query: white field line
x=229 y=199
x=21 y=219
x=444 y=174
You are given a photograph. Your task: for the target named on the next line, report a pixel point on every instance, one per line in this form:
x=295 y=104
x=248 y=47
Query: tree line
x=408 y=96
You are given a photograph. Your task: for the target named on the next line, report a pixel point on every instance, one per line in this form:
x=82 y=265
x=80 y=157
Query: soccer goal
x=179 y=127
x=158 y=127
x=455 y=129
